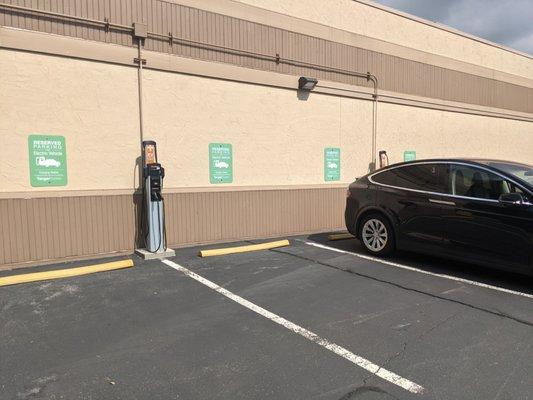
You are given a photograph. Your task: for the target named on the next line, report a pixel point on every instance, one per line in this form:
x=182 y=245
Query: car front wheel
x=376 y=235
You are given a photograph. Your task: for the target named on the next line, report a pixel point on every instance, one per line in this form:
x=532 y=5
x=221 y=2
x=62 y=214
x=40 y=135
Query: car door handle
x=447 y=203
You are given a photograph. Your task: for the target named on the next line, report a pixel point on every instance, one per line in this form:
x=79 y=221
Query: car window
x=429 y=177
x=520 y=171
x=386 y=178
x=469 y=181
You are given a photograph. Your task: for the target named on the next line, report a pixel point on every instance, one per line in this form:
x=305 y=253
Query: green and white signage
x=409 y=155
x=220 y=163
x=48 y=160
x=332 y=164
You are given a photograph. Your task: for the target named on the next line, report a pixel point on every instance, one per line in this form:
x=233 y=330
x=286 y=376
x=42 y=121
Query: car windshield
x=521 y=171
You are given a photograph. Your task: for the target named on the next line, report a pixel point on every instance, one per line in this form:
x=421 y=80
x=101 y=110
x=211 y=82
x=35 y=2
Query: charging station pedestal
x=153 y=209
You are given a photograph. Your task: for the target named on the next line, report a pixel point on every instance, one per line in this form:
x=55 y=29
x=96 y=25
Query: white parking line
x=341 y=351
x=402 y=266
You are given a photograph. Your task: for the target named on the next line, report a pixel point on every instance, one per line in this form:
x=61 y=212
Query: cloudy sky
x=508 y=22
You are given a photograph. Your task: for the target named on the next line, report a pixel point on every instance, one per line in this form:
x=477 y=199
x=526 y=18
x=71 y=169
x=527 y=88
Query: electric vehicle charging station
x=383 y=159
x=153 y=230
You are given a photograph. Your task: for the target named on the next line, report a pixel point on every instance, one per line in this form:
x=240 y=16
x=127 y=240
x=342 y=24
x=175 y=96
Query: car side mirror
x=512 y=199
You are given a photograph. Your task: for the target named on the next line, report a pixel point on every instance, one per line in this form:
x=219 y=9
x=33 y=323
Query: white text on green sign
x=220 y=163
x=332 y=164
x=48 y=160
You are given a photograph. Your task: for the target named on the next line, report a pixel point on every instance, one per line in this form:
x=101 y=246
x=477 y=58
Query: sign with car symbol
x=409 y=155
x=332 y=164
x=220 y=163
x=48 y=160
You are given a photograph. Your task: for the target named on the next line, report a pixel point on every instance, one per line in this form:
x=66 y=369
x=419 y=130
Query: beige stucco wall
x=360 y=18
x=94 y=105
x=277 y=137
x=434 y=133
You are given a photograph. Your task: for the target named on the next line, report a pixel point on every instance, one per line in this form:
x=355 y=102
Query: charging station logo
x=221 y=164
x=47 y=162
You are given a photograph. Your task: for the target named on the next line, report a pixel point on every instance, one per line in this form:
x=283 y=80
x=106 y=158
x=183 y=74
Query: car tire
x=377 y=235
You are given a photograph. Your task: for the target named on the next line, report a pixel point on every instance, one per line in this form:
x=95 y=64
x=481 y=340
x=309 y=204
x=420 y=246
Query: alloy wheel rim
x=375 y=235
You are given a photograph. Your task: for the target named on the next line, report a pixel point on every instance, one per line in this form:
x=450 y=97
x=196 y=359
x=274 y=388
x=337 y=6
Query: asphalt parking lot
x=308 y=321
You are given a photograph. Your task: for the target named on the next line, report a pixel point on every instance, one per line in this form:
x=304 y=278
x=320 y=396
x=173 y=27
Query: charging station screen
x=149 y=154
x=48 y=160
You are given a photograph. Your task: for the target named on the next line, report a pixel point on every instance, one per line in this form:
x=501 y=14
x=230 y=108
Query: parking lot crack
x=418 y=338
x=410 y=289
x=405 y=345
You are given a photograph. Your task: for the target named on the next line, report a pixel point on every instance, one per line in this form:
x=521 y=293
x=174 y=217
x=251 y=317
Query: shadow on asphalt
x=486 y=275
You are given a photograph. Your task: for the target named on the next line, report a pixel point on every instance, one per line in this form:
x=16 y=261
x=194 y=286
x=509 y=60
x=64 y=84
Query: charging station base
x=147 y=255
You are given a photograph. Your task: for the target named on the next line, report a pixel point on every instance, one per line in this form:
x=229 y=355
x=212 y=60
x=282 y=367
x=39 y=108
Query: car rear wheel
x=376 y=235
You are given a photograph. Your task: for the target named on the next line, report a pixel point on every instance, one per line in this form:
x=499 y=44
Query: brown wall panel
x=208 y=217
x=53 y=228
x=395 y=73
x=58 y=227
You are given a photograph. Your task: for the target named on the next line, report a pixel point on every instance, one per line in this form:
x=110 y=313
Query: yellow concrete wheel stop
x=243 y=249
x=341 y=236
x=64 y=273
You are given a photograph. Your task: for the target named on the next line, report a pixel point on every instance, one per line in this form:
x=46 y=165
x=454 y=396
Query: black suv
x=479 y=211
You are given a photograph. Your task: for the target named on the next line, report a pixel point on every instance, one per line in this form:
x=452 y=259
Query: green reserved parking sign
x=332 y=164
x=48 y=160
x=220 y=163
x=409 y=155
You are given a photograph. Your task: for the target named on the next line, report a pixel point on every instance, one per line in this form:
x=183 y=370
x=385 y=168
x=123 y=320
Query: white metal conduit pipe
x=171 y=39
x=288 y=61
x=140 y=86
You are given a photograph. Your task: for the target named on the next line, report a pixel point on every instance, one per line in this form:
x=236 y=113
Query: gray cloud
x=508 y=22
